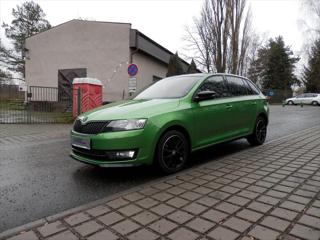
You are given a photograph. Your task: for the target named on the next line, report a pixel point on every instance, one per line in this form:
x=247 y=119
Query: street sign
x=132 y=84
x=270 y=93
x=132 y=69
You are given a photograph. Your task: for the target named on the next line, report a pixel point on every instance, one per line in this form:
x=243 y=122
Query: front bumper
x=127 y=163
x=112 y=142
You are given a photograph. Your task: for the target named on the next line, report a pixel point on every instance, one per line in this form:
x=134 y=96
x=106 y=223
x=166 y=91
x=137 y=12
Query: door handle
x=228 y=106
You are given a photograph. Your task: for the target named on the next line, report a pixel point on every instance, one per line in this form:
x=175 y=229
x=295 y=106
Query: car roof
x=212 y=74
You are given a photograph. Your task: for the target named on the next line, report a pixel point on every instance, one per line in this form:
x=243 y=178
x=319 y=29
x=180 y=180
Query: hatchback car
x=306 y=98
x=170 y=119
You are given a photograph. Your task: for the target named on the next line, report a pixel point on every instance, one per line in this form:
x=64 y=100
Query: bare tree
x=246 y=44
x=313 y=10
x=209 y=36
x=221 y=36
x=236 y=12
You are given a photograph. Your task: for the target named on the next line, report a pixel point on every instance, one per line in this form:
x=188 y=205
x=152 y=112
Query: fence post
x=29 y=95
x=79 y=101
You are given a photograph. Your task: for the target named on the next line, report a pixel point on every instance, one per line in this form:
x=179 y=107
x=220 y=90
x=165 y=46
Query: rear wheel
x=172 y=151
x=290 y=102
x=259 y=134
x=315 y=103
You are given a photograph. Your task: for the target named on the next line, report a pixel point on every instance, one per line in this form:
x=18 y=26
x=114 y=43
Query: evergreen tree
x=311 y=72
x=192 y=67
x=275 y=65
x=175 y=66
x=257 y=67
x=29 y=19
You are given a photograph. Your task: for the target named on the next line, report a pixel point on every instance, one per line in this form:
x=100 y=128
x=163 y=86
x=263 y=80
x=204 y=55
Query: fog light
x=125 y=154
x=121 y=155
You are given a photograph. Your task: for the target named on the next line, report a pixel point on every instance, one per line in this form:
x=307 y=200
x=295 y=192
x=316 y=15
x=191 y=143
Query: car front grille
x=90 y=127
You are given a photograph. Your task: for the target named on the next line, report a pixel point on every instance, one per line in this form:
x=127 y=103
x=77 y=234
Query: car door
x=299 y=99
x=308 y=98
x=243 y=106
x=213 y=116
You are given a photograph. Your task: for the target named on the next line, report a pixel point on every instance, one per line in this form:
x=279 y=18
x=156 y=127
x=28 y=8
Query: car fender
x=169 y=121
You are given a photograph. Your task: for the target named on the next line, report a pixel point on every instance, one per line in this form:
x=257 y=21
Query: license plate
x=80 y=142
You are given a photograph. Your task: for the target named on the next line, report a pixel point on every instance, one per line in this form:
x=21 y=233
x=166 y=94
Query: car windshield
x=172 y=87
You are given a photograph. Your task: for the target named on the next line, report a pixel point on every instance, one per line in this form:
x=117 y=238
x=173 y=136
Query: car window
x=310 y=95
x=216 y=84
x=236 y=86
x=249 y=91
x=171 y=87
x=300 y=96
x=254 y=89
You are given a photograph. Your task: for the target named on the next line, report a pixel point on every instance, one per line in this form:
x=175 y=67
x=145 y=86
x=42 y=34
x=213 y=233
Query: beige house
x=101 y=50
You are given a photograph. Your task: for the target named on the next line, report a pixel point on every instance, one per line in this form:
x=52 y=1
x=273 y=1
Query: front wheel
x=259 y=134
x=315 y=103
x=172 y=151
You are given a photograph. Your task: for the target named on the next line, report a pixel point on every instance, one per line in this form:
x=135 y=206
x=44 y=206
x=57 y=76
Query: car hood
x=130 y=109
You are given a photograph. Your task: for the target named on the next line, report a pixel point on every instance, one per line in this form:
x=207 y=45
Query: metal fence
x=35 y=105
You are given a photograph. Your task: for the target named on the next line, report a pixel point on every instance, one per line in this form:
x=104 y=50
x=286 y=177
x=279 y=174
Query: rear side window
x=216 y=84
x=310 y=95
x=236 y=86
x=253 y=88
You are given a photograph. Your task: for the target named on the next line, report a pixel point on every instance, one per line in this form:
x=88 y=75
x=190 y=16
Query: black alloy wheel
x=259 y=134
x=172 y=151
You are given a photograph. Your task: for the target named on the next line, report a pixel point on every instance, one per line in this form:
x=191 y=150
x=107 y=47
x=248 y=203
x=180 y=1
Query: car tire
x=172 y=152
x=290 y=102
x=259 y=134
x=315 y=103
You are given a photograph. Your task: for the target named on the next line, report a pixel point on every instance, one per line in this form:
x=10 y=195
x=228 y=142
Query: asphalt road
x=37 y=177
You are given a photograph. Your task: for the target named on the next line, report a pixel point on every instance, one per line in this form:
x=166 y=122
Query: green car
x=170 y=119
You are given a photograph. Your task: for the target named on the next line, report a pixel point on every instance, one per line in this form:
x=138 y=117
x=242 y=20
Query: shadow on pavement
x=88 y=175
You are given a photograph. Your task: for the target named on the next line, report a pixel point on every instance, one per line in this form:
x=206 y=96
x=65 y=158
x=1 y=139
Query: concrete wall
x=148 y=67
x=100 y=47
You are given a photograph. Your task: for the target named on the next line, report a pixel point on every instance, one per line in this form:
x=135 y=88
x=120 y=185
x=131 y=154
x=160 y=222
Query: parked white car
x=305 y=98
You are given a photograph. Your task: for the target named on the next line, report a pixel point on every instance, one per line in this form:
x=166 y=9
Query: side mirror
x=204 y=95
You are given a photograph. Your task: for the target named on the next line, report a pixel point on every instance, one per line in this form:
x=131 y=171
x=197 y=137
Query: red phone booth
x=90 y=96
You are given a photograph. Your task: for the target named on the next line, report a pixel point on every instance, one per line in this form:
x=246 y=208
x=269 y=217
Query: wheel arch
x=179 y=128
x=264 y=115
x=172 y=126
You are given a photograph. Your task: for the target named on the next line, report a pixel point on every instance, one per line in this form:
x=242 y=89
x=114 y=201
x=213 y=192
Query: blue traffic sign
x=270 y=93
x=132 y=69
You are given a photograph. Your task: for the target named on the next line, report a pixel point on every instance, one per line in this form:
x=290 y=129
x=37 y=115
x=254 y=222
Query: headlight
x=125 y=125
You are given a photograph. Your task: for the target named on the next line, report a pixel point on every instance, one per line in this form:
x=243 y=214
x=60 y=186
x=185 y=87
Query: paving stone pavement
x=267 y=192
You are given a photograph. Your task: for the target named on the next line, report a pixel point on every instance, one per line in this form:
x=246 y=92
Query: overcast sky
x=164 y=20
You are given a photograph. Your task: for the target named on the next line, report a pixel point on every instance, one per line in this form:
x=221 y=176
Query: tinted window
x=253 y=87
x=236 y=86
x=172 y=87
x=216 y=84
x=300 y=96
x=310 y=95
